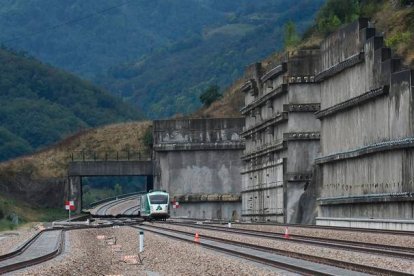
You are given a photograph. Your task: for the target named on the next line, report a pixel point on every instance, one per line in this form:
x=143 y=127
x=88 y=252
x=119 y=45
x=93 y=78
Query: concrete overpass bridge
x=89 y=168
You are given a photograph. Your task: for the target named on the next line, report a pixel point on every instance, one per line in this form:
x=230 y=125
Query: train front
x=159 y=203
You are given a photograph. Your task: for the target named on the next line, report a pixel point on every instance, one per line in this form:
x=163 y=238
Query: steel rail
x=37 y=260
x=276 y=264
x=50 y=255
x=336 y=228
x=381 y=249
x=130 y=211
x=24 y=246
x=327 y=261
x=101 y=211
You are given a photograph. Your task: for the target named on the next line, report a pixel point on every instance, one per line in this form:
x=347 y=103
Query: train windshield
x=158 y=199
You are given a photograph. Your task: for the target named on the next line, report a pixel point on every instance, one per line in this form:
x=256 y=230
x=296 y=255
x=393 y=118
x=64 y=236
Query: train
x=155 y=205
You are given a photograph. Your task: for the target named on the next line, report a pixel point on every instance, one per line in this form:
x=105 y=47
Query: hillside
x=156 y=54
x=37 y=179
x=40 y=105
x=52 y=162
x=87 y=37
x=170 y=80
x=395 y=19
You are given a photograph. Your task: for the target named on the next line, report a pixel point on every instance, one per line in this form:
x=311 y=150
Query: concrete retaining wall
x=200 y=157
x=282 y=138
x=366 y=132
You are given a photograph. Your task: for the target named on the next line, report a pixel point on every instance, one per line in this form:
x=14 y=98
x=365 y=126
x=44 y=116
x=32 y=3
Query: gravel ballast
x=336 y=254
x=375 y=238
x=11 y=240
x=85 y=254
x=120 y=208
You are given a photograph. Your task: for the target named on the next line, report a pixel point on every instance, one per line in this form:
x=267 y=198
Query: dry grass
x=228 y=106
x=394 y=22
x=53 y=161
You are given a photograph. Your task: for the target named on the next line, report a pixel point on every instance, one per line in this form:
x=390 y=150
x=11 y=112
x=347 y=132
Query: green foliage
x=399 y=38
x=98 y=188
x=118 y=189
x=291 y=37
x=369 y=7
x=40 y=105
x=170 y=81
x=335 y=13
x=6 y=224
x=158 y=54
x=14 y=213
x=406 y=2
x=12 y=145
x=210 y=95
x=147 y=138
x=52 y=214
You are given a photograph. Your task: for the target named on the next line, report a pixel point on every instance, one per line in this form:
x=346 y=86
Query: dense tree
x=118 y=189
x=211 y=94
x=291 y=37
x=335 y=13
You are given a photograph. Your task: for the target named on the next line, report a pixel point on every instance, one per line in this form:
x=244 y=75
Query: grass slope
x=26 y=213
x=52 y=162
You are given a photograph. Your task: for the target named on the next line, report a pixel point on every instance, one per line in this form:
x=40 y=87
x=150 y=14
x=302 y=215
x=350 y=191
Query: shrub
x=147 y=138
x=291 y=37
x=335 y=13
x=397 y=39
x=210 y=95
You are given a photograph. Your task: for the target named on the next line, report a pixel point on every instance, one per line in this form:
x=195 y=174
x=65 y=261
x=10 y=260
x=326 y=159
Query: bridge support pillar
x=75 y=192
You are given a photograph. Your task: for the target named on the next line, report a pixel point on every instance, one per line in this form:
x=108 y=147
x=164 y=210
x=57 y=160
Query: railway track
x=132 y=211
x=387 y=250
x=102 y=210
x=42 y=247
x=317 y=227
x=286 y=260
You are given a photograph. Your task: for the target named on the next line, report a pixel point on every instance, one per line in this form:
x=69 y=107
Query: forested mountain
x=40 y=105
x=170 y=81
x=159 y=54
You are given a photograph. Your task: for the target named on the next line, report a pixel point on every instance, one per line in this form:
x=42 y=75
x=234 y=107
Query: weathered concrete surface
x=282 y=139
x=223 y=206
x=388 y=224
x=227 y=211
x=200 y=171
x=79 y=169
x=199 y=156
x=366 y=160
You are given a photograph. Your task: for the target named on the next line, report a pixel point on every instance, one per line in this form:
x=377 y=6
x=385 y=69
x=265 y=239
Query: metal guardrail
x=123 y=155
